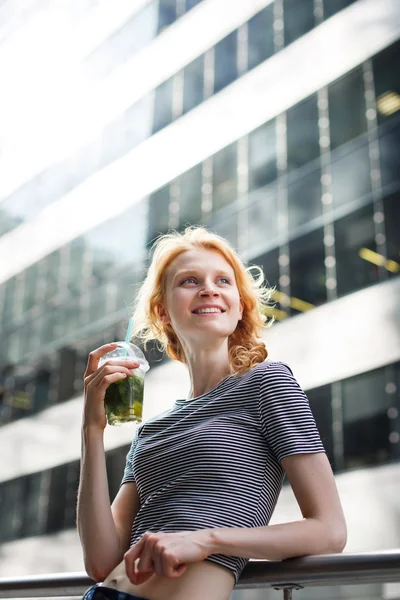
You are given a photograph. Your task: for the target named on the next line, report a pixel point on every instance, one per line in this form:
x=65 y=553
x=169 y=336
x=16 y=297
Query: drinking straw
x=129 y=331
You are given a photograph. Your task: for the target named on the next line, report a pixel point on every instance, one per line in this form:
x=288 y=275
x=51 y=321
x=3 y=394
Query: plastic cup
x=124 y=398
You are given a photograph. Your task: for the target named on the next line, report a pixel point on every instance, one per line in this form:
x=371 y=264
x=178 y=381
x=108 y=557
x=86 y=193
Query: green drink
x=124 y=398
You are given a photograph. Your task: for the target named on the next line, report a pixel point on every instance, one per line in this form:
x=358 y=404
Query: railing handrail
x=328 y=569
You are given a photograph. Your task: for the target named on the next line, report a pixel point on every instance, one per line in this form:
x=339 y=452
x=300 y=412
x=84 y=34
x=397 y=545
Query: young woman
x=202 y=479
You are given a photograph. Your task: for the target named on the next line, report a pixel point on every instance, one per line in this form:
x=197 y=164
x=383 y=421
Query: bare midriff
x=200 y=581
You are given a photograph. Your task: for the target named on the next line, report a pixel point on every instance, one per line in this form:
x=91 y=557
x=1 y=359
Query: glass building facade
x=311 y=195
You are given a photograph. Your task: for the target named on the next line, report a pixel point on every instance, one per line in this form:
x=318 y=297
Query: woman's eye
x=189 y=280
x=224 y=279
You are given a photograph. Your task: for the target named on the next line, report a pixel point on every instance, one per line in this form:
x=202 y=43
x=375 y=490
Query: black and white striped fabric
x=214 y=461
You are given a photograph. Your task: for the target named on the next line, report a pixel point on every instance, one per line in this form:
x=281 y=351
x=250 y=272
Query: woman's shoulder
x=271 y=368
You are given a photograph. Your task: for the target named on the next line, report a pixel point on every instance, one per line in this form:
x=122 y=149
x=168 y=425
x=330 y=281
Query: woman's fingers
x=95 y=355
x=101 y=377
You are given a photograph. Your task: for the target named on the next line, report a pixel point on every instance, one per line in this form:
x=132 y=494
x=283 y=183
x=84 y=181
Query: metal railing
x=287 y=575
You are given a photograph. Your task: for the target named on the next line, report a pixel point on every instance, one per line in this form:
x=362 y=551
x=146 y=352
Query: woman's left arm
x=321 y=531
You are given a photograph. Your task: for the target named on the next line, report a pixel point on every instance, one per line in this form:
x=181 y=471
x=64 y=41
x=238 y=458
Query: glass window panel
x=67 y=361
x=298 y=19
x=391 y=206
x=10 y=300
x=302 y=133
x=262 y=217
x=260 y=39
x=163 y=105
x=191 y=4
x=12 y=505
x=127 y=284
x=304 y=197
x=386 y=67
x=224 y=177
x=347 y=112
x=56 y=499
x=166 y=14
x=262 y=156
x=76 y=265
x=115 y=463
x=48 y=327
x=351 y=174
x=136 y=33
x=307 y=271
x=71 y=495
x=227 y=226
x=33 y=501
x=190 y=197
x=389 y=149
x=366 y=424
x=321 y=406
x=42 y=381
x=193 y=84
x=331 y=7
x=269 y=263
x=53 y=274
x=158 y=212
x=225 y=62
x=30 y=277
x=354 y=237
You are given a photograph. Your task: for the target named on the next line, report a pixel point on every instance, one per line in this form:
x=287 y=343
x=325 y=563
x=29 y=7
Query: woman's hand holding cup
x=96 y=381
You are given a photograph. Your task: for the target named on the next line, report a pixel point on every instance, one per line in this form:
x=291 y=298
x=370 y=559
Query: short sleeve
x=286 y=418
x=128 y=472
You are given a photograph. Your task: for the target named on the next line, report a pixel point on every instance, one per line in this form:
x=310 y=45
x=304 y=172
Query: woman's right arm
x=104 y=530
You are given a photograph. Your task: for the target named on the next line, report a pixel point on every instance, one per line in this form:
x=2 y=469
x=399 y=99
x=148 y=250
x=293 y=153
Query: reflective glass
x=9 y=301
x=191 y=4
x=42 y=383
x=269 y=263
x=389 y=151
x=158 y=213
x=302 y=133
x=262 y=217
x=391 y=206
x=33 y=501
x=298 y=19
x=12 y=509
x=260 y=38
x=321 y=406
x=71 y=494
x=224 y=179
x=190 y=197
x=262 y=167
x=307 y=270
x=227 y=226
x=386 y=67
x=331 y=7
x=193 y=84
x=354 y=240
x=304 y=196
x=77 y=254
x=136 y=33
x=53 y=275
x=347 y=111
x=166 y=13
x=127 y=284
x=366 y=424
x=56 y=499
x=225 y=62
x=31 y=281
x=351 y=173
x=163 y=105
x=65 y=386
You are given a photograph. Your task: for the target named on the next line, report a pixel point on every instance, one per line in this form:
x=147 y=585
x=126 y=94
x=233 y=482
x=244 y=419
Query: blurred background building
x=275 y=123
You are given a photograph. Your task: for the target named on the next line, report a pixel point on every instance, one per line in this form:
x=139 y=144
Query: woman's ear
x=163 y=314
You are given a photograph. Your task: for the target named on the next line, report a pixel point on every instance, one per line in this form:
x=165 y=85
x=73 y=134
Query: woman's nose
x=209 y=290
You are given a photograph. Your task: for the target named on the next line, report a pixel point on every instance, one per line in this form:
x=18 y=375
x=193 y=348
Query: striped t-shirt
x=214 y=461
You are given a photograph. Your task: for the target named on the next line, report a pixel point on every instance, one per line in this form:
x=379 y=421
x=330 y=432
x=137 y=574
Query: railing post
x=287 y=589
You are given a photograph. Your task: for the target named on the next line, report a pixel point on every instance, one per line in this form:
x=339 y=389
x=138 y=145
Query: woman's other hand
x=166 y=554
x=96 y=381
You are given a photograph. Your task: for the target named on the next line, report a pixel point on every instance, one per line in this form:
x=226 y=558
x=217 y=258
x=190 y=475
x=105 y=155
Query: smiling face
x=202 y=298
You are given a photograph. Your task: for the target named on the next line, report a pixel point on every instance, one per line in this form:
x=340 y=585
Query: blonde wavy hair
x=245 y=348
